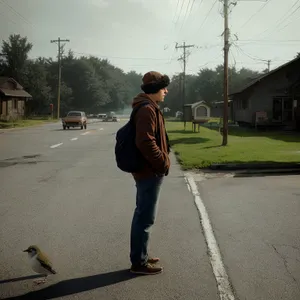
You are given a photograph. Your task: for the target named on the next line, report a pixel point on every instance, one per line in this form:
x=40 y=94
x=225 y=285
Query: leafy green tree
x=14 y=55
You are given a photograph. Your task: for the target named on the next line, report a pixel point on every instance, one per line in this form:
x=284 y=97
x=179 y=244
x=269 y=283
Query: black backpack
x=128 y=157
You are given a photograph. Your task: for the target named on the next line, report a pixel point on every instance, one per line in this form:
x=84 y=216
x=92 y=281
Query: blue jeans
x=147 y=196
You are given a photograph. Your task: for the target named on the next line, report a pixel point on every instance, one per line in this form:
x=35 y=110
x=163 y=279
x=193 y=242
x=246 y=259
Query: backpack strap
x=134 y=111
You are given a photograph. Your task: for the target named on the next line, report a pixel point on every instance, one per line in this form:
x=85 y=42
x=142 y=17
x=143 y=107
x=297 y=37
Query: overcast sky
x=141 y=35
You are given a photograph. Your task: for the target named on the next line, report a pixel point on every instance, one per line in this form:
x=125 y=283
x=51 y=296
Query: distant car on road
x=101 y=116
x=110 y=117
x=75 y=119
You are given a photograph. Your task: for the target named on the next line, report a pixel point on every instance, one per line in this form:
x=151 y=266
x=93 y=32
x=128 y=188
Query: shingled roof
x=262 y=77
x=18 y=92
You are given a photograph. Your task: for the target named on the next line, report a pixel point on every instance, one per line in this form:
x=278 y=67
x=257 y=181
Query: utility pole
x=184 y=46
x=58 y=41
x=226 y=50
x=180 y=88
x=269 y=64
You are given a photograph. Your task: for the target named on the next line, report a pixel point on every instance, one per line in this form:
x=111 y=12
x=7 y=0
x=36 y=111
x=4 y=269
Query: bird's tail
x=53 y=271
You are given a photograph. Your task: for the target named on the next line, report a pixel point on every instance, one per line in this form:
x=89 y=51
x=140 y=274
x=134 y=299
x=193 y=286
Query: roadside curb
x=208 y=173
x=255 y=166
x=267 y=172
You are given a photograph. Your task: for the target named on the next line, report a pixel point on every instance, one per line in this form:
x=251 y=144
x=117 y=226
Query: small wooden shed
x=12 y=99
x=197 y=113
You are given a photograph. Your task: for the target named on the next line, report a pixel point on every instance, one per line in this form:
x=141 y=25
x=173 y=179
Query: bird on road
x=39 y=262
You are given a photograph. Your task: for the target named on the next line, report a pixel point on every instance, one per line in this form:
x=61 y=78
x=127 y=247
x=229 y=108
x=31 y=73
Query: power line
x=193 y=19
x=191 y=9
x=176 y=10
x=185 y=15
x=291 y=14
x=282 y=19
x=180 y=12
x=122 y=57
x=287 y=25
x=268 y=61
x=12 y=21
x=247 y=54
x=16 y=12
x=188 y=11
x=271 y=41
x=207 y=15
x=259 y=10
x=173 y=27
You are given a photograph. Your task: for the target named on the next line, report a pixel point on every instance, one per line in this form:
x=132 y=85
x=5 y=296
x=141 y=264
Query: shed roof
x=197 y=103
x=4 y=79
x=15 y=93
x=18 y=92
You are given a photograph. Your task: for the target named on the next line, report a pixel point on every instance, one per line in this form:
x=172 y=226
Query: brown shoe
x=146 y=269
x=153 y=260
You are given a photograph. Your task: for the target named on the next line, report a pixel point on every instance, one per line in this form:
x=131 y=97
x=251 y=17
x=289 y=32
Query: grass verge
x=24 y=123
x=200 y=150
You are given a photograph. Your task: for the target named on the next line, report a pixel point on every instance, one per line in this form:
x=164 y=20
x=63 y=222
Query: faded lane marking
x=74 y=139
x=100 y=129
x=56 y=145
x=85 y=133
x=223 y=284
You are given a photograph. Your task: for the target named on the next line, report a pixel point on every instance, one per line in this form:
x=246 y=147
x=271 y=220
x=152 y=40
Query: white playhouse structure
x=198 y=113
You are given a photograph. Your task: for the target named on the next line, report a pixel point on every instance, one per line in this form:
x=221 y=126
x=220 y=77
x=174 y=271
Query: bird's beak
x=25 y=250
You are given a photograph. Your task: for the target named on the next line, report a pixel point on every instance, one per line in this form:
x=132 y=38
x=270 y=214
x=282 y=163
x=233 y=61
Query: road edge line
x=221 y=276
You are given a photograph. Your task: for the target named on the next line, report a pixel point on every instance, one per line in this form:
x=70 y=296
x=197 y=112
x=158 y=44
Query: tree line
x=95 y=85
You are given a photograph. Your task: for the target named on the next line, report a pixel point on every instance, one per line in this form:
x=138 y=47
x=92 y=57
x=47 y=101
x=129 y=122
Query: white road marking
x=56 y=145
x=85 y=133
x=74 y=139
x=215 y=257
x=100 y=129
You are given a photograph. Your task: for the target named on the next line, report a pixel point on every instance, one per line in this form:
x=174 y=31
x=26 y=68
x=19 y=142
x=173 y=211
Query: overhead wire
x=185 y=15
x=247 y=54
x=122 y=57
x=28 y=22
x=258 y=11
x=207 y=15
x=179 y=12
x=282 y=19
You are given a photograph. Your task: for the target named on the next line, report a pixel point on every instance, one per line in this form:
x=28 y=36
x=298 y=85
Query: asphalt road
x=256 y=221
x=62 y=191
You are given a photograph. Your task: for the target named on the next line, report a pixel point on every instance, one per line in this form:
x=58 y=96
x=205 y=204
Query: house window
x=15 y=103
x=245 y=103
x=283 y=109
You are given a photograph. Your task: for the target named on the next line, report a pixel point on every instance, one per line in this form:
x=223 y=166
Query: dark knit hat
x=154 y=81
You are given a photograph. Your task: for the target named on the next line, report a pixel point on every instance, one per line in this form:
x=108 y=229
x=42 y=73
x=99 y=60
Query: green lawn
x=24 y=123
x=200 y=150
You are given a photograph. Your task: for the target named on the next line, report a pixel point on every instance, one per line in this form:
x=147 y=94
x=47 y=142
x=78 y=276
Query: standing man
x=152 y=141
